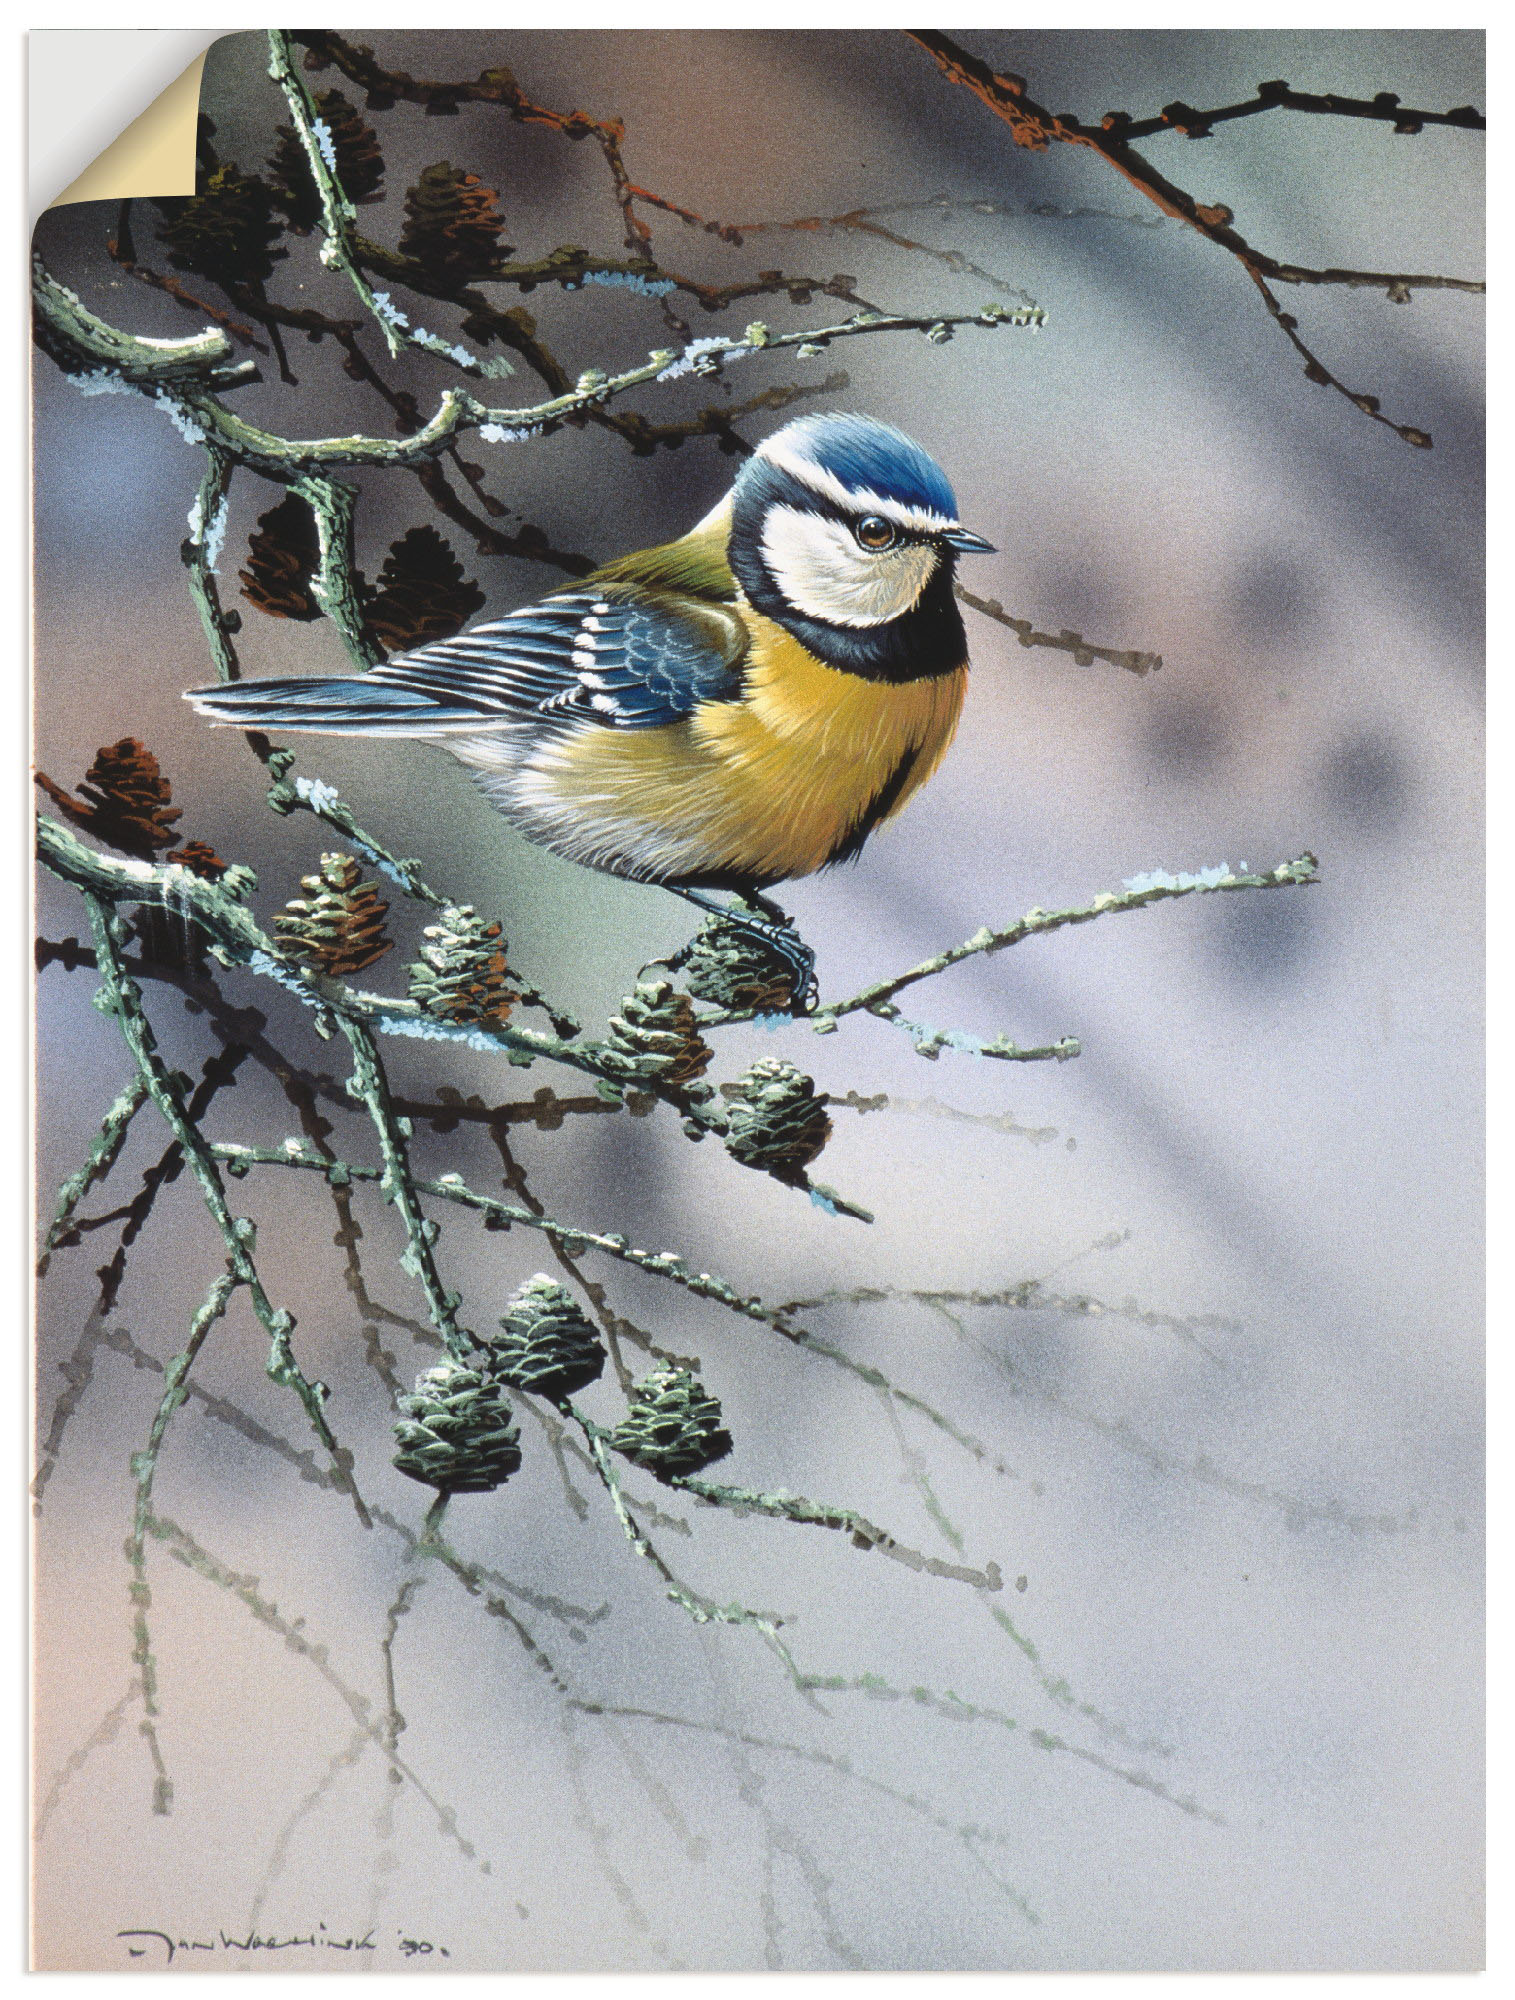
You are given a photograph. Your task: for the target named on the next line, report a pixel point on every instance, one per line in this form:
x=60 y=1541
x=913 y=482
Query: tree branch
x=1137 y=894
x=124 y=1000
x=1036 y=128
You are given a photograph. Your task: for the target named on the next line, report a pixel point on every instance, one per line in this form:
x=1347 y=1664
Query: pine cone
x=673 y=1426
x=456 y=1432
x=125 y=800
x=451 y=223
x=657 y=1034
x=359 y=169
x=227 y=232
x=461 y=973
x=283 y=555
x=201 y=859
x=337 y=927
x=548 y=1345
x=422 y=592
x=731 y=966
x=778 y=1121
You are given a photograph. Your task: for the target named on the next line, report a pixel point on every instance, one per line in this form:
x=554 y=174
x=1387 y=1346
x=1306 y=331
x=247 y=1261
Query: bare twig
x=1085 y=652
x=1036 y=128
x=1136 y=894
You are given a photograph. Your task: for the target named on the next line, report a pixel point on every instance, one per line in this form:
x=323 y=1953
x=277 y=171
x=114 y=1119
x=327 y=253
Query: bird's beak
x=967 y=541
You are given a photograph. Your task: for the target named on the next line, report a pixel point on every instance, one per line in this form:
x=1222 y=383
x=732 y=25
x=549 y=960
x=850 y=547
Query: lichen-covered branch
x=371 y=1085
x=202 y=551
x=931 y=1042
x=1135 y=894
x=123 y=999
x=144 y=1468
x=105 y=1149
x=221 y=914
x=665 y=1264
x=338 y=216
x=185 y=378
x=703 y=1610
x=334 y=584
x=863 y=1533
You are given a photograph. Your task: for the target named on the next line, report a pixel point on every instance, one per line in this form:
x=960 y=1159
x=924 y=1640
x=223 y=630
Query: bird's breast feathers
x=791 y=776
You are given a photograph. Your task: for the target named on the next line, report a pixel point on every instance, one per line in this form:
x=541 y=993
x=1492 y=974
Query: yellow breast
x=774 y=786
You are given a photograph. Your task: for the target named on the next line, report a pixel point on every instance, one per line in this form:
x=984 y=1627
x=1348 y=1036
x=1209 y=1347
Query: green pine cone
x=730 y=966
x=778 y=1121
x=657 y=1034
x=461 y=973
x=547 y=1345
x=456 y=1432
x=673 y=1426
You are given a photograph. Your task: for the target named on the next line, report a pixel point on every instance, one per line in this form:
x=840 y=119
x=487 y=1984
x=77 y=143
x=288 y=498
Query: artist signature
x=165 y=1946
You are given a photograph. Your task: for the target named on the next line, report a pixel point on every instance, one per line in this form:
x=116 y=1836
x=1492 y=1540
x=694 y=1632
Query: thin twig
x=1036 y=128
x=124 y=999
x=144 y=1468
x=105 y=1149
x=1085 y=652
x=1136 y=894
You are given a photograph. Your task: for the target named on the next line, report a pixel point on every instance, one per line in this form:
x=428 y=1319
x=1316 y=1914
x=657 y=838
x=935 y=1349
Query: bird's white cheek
x=822 y=572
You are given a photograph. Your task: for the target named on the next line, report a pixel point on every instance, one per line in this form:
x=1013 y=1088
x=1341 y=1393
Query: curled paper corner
x=154 y=155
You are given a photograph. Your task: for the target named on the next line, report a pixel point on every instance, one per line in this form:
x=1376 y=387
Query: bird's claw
x=757 y=984
x=779 y=934
x=800 y=959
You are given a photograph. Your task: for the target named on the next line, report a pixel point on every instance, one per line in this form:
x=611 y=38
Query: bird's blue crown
x=867 y=456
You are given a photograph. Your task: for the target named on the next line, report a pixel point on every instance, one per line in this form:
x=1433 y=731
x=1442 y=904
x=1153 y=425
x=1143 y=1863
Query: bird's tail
x=367 y=707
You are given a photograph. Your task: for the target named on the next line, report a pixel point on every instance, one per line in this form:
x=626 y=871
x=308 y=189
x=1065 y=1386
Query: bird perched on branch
x=721 y=713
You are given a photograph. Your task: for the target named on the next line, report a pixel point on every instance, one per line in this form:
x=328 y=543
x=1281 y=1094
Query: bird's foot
x=750 y=958
x=787 y=944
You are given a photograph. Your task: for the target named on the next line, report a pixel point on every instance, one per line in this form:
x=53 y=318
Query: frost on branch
x=355 y=159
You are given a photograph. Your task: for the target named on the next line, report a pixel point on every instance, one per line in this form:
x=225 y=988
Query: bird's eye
x=874 y=532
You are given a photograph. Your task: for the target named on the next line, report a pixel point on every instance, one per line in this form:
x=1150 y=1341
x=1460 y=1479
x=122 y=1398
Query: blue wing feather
x=622 y=657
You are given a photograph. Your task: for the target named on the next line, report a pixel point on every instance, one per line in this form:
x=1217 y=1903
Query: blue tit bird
x=724 y=712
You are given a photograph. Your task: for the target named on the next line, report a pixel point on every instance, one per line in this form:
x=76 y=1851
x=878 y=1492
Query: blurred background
x=1238 y=1513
